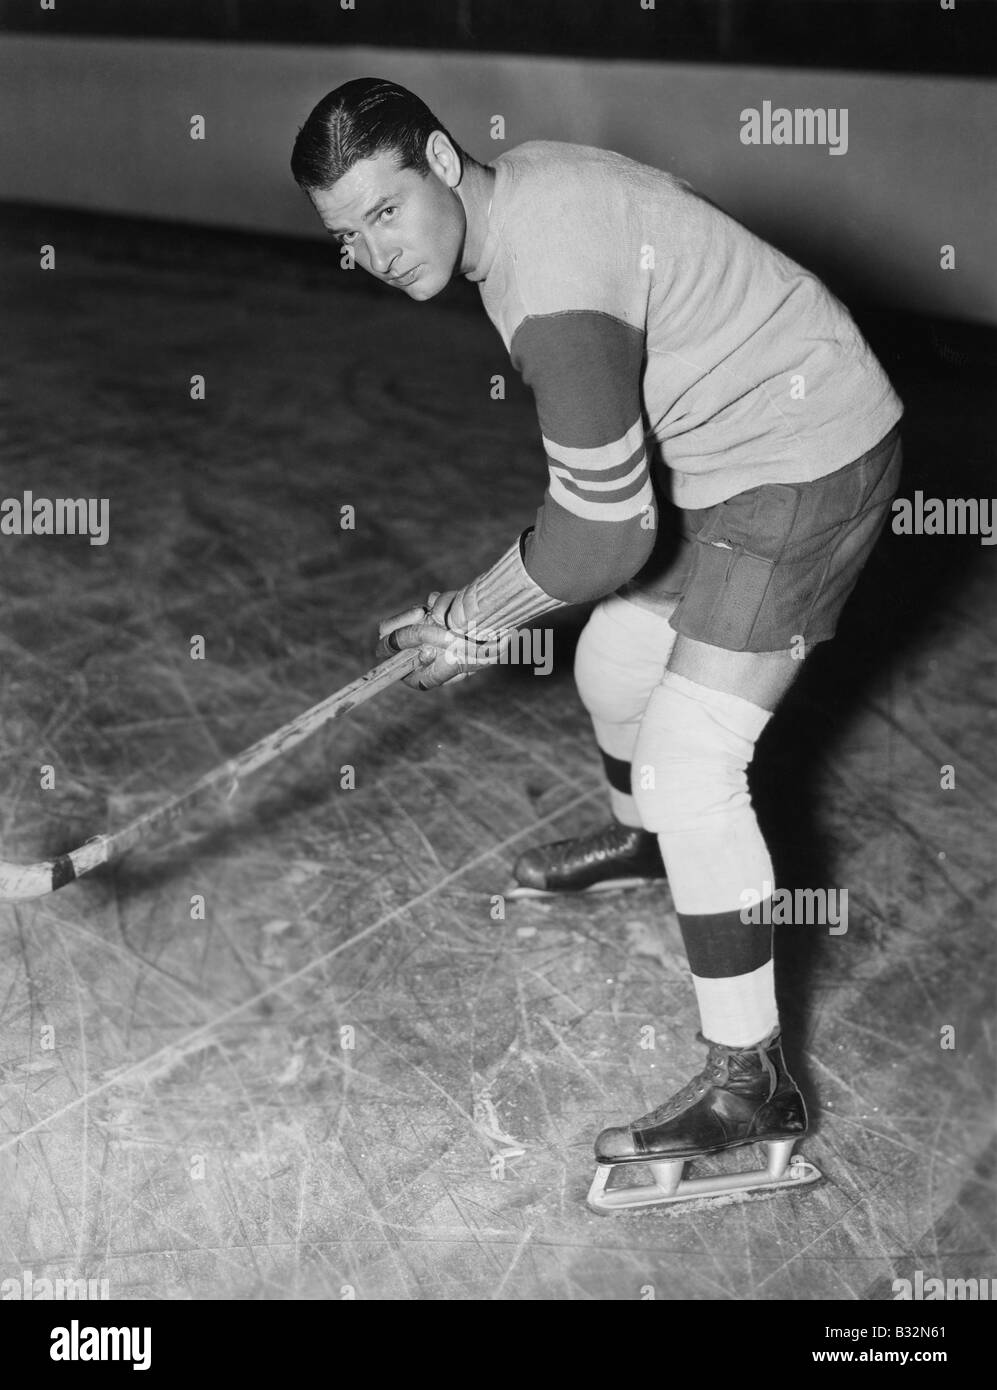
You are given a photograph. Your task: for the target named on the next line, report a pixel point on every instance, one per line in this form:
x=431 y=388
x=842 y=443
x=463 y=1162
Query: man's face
x=406 y=229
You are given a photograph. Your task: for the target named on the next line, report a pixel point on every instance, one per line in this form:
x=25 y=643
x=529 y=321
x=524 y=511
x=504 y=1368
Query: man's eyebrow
x=388 y=198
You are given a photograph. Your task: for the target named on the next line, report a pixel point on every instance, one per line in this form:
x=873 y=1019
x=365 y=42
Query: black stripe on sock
x=617 y=773
x=720 y=944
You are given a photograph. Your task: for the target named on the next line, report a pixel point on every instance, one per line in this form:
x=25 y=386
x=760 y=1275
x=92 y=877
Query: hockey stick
x=20 y=881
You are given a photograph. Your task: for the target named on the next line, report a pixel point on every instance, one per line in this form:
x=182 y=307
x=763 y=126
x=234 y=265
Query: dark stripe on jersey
x=578 y=560
x=584 y=369
x=619 y=494
x=585 y=477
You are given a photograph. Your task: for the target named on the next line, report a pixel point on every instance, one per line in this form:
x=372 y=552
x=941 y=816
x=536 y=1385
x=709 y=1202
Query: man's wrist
x=502 y=598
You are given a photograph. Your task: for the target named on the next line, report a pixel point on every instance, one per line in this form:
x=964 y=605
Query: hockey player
x=668 y=350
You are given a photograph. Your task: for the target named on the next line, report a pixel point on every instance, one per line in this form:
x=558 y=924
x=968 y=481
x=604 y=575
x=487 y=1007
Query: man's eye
x=387 y=212
x=346 y=238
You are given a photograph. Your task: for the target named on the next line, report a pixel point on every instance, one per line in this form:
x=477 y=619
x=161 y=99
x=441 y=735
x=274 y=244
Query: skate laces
x=687 y=1096
x=718 y=1059
x=715 y=1072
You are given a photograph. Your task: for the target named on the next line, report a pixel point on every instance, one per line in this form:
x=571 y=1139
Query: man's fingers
x=428 y=678
x=444 y=655
x=425 y=635
x=411 y=615
x=428 y=635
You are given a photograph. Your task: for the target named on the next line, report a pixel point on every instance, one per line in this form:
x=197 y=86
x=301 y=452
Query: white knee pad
x=690 y=783
x=620 y=658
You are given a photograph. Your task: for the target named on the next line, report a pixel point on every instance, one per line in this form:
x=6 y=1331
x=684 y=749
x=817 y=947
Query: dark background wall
x=866 y=35
x=96 y=101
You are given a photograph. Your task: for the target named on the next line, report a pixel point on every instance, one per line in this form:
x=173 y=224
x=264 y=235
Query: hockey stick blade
x=21 y=881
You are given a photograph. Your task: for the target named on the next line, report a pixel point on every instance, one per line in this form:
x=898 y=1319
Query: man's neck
x=475 y=192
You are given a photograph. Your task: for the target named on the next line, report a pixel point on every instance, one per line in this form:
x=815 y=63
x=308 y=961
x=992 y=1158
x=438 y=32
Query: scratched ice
x=292 y=1052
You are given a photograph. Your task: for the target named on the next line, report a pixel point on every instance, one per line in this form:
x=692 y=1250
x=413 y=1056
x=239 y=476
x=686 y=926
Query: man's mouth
x=407 y=278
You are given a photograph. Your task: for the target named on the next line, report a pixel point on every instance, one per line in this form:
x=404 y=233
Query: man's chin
x=426 y=286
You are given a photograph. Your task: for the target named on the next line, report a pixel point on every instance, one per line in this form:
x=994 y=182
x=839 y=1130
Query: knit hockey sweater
x=655 y=330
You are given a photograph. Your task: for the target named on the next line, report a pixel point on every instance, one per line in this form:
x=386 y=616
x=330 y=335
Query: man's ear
x=443 y=159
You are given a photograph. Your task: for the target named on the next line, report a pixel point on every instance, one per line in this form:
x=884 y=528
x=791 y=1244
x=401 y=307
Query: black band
x=617 y=773
x=721 y=944
x=63 y=871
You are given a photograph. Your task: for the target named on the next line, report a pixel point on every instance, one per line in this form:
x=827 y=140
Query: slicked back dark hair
x=359 y=120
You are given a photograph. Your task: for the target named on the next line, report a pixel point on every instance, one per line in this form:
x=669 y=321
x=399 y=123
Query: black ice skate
x=742 y=1096
x=613 y=858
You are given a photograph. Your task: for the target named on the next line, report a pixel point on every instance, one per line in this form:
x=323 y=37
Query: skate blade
x=670 y=1188
x=611 y=885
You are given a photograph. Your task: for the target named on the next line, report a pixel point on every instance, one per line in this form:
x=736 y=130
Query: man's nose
x=381 y=256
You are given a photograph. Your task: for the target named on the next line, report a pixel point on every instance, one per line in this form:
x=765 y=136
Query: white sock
x=740 y=1009
x=690 y=778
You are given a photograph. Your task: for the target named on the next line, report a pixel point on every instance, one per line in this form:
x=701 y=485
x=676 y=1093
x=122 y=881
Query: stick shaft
x=21 y=881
